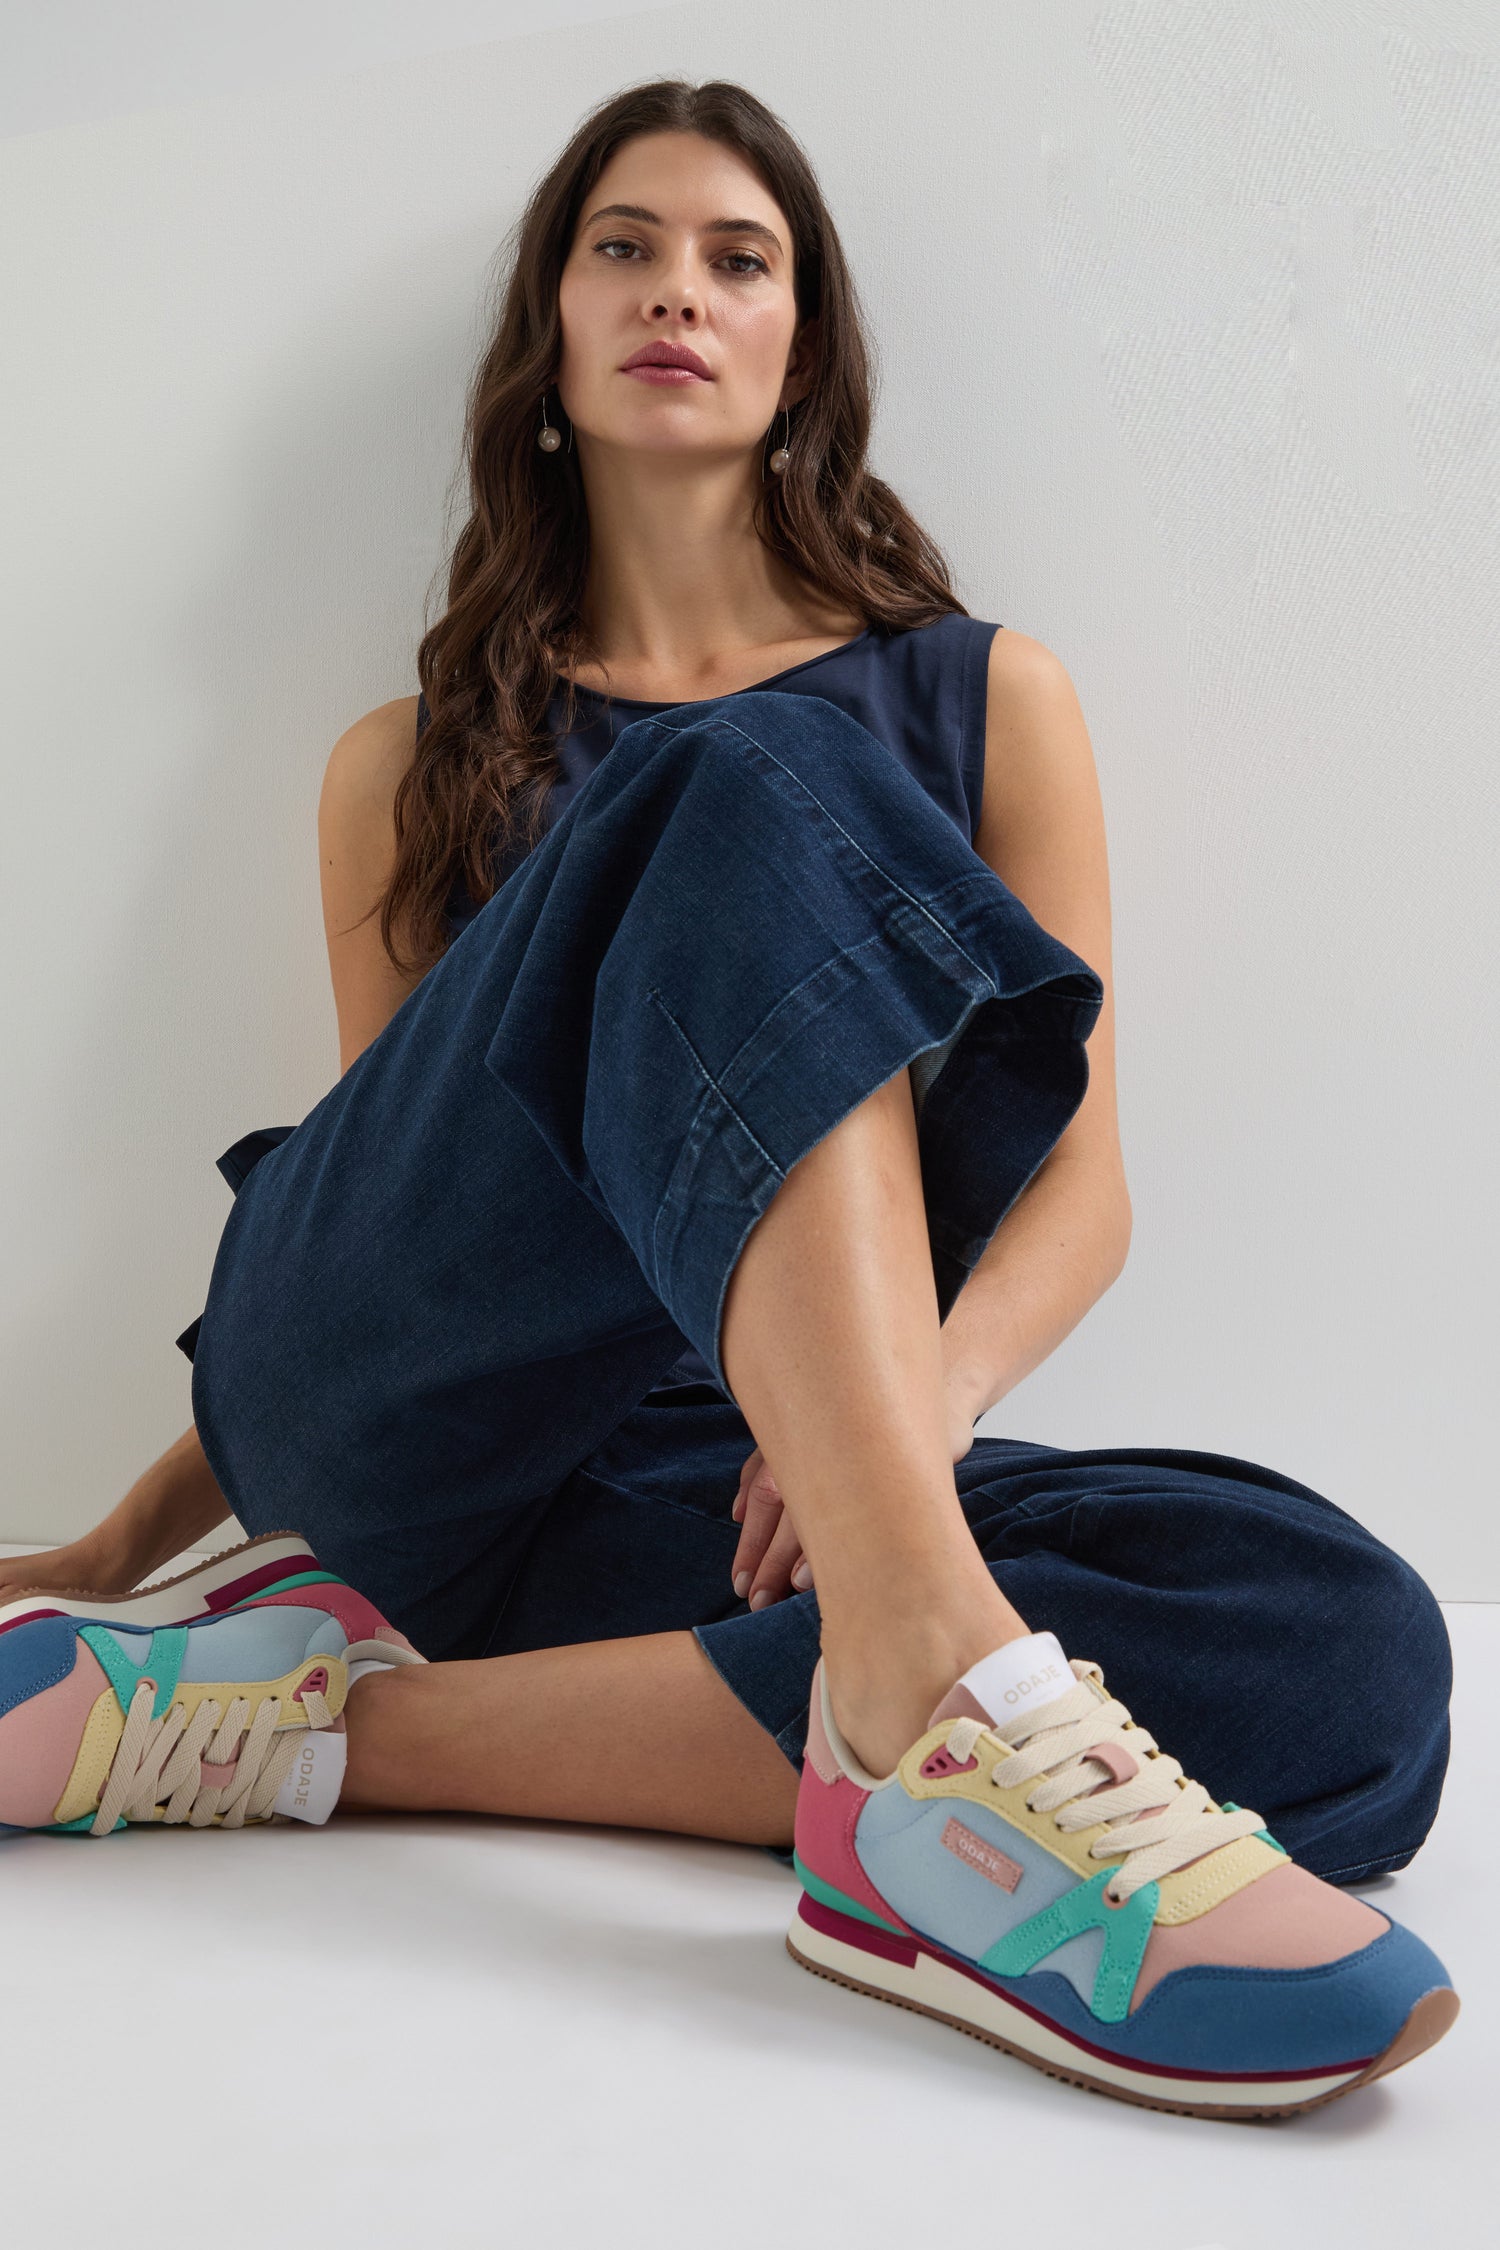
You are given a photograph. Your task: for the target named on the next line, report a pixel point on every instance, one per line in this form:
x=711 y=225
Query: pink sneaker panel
x=1288 y=1919
x=39 y=1742
x=828 y=1808
x=360 y=1619
x=827 y=1814
x=1120 y=1762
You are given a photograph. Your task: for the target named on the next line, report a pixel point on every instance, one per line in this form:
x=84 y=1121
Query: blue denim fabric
x=440 y=1303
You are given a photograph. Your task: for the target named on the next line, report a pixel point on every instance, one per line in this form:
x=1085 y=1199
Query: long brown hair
x=511 y=631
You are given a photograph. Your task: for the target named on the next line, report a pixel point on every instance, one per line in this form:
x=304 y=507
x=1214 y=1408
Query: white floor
x=440 y=2033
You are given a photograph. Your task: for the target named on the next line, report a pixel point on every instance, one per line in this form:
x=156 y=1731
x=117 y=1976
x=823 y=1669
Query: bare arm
x=177 y=1502
x=1041 y=828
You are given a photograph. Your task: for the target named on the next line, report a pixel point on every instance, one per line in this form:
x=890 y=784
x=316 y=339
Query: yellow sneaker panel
x=96 y=1751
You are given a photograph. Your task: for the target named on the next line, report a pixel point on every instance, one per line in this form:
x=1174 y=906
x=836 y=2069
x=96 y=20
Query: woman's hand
x=769 y=1562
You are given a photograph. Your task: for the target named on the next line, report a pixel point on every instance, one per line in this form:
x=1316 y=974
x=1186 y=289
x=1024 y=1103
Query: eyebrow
x=714 y=226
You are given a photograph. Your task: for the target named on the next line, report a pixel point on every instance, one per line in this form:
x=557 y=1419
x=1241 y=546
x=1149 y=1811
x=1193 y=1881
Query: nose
x=676 y=292
x=680 y=302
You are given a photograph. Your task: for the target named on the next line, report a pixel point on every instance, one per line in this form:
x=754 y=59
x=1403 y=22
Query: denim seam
x=655 y=1500
x=753 y=1040
x=692 y=1134
x=1387 y=1862
x=709 y=1079
x=833 y=820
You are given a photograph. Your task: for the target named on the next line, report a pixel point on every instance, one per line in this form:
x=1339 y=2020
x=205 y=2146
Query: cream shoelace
x=1052 y=1746
x=160 y=1761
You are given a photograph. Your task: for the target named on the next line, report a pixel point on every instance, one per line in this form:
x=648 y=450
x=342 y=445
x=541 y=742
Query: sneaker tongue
x=1010 y=1681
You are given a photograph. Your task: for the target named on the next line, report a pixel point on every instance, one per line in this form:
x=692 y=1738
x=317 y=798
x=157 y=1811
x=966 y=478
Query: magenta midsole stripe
x=254 y=1581
x=904 y=1951
x=214 y=1600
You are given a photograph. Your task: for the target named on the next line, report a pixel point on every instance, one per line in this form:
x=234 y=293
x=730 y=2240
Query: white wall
x=1186 y=318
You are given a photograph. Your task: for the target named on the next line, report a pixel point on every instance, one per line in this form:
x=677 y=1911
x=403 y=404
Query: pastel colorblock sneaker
x=230 y=1718
x=1038 y=1873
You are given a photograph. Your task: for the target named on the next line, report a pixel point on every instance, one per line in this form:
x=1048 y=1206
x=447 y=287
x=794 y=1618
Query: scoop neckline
x=654 y=703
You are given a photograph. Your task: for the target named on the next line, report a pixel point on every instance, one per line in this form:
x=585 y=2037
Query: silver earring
x=546 y=437
x=781 y=456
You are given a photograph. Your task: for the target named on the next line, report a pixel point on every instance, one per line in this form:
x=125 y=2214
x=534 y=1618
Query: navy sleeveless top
x=921 y=692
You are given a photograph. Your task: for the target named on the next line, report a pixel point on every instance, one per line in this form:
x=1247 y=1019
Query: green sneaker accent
x=283 y=1585
x=163 y=1664
x=1126 y=1929
x=85 y=1820
x=826 y=1895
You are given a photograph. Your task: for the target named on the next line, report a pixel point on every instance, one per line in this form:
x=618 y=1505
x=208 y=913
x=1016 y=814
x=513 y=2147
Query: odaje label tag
x=1020 y=1676
x=311 y=1790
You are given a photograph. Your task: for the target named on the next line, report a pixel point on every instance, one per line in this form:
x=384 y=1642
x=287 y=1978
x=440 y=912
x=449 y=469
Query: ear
x=800 y=366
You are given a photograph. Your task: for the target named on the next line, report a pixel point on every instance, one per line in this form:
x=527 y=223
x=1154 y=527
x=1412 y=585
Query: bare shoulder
x=1041 y=828
x=1036 y=741
x=356 y=820
x=370 y=756
x=356 y=853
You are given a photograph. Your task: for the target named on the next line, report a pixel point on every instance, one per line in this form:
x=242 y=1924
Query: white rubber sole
x=203 y=1592
x=891 y=1967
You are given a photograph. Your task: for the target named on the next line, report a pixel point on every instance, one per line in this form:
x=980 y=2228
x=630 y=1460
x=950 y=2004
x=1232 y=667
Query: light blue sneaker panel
x=260 y=1644
x=1078 y=1960
x=940 y=1893
x=329 y=1640
x=129 y=1639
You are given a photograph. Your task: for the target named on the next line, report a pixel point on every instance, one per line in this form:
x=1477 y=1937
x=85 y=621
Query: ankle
x=883 y=1693
x=374 y=1710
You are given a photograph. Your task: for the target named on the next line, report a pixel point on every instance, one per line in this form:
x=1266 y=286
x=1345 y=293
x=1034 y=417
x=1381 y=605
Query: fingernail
x=802 y=1577
x=759 y=1599
x=742 y=1584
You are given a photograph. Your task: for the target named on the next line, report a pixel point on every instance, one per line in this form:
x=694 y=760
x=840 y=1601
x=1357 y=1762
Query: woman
x=727 y=1086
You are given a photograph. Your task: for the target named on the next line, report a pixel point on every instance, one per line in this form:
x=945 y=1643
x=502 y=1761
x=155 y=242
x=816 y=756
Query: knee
x=1384 y=1672
x=1393 y=1654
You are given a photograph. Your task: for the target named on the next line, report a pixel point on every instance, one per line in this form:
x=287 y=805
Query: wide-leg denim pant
x=440 y=1303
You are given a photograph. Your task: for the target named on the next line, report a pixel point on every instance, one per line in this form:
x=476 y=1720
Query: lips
x=668 y=356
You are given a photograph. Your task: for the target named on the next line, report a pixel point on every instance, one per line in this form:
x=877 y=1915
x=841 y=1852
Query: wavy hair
x=511 y=631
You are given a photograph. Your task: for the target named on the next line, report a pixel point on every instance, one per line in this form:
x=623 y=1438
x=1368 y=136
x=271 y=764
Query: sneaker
x=1036 y=1872
x=108 y=1717
x=274 y=1561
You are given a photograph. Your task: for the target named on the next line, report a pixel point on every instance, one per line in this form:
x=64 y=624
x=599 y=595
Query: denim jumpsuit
x=462 y=1330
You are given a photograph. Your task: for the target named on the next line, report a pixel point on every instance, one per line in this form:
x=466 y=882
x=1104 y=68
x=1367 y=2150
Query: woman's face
x=669 y=269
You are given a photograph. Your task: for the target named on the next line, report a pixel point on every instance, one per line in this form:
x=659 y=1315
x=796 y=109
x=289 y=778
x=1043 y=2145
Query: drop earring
x=782 y=455
x=546 y=437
